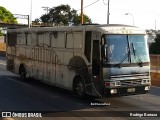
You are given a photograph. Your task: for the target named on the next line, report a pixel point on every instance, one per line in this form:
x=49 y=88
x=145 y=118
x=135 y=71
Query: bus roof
x=122 y=29
x=106 y=29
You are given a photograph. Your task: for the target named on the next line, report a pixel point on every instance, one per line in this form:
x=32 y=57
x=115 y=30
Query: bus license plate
x=131 y=90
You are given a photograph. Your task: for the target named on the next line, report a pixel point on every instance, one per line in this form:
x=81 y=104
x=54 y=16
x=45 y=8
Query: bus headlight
x=147 y=87
x=113 y=91
x=145 y=81
x=117 y=83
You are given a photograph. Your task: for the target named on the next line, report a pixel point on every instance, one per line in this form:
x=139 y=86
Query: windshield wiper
x=123 y=59
x=135 y=52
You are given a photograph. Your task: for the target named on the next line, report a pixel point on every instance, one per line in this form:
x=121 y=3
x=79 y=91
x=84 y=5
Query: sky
x=144 y=13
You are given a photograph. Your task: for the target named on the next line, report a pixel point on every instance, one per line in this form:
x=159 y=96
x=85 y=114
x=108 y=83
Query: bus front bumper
x=123 y=91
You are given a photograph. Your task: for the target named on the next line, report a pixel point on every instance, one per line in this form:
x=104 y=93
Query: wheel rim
x=23 y=73
x=80 y=88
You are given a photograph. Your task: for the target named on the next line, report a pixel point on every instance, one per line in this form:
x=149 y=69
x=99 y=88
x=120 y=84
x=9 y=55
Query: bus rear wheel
x=22 y=72
x=79 y=88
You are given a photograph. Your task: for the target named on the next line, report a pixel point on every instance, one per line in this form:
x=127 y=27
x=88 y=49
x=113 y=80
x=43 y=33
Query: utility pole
x=107 y=10
x=108 y=13
x=30 y=18
x=46 y=9
x=131 y=16
x=155 y=24
x=82 y=19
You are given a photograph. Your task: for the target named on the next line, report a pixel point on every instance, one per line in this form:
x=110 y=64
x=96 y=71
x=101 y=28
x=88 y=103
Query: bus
x=98 y=60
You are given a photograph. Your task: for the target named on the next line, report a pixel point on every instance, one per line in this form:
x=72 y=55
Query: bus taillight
x=107 y=84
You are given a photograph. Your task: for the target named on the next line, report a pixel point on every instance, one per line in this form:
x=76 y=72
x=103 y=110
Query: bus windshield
x=125 y=49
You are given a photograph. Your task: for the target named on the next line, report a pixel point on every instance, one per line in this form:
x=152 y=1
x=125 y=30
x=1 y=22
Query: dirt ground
x=155 y=79
x=155 y=69
x=2 y=46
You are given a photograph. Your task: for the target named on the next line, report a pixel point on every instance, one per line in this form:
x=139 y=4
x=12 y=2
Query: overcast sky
x=145 y=12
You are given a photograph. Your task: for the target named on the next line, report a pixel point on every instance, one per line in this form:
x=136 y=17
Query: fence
x=3 y=49
x=155 y=70
x=2 y=46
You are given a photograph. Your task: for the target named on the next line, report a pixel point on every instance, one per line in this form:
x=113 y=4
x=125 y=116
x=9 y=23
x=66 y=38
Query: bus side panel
x=10 y=58
x=68 y=54
x=58 y=67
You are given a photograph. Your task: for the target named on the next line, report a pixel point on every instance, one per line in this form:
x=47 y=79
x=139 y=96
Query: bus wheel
x=79 y=88
x=22 y=71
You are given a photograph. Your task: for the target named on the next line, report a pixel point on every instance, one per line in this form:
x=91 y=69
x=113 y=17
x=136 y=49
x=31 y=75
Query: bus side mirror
x=102 y=41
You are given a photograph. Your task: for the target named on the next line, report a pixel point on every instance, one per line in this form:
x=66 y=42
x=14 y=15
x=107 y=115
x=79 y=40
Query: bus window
x=74 y=40
x=28 y=39
x=54 y=39
x=12 y=38
x=31 y=39
x=60 y=40
x=78 y=40
x=87 y=50
x=40 y=39
x=69 y=40
x=21 y=39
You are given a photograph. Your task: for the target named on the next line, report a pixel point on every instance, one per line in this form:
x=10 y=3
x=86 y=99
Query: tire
x=22 y=72
x=79 y=88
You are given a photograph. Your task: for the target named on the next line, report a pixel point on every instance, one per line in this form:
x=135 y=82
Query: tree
x=63 y=15
x=77 y=20
x=6 y=16
x=155 y=47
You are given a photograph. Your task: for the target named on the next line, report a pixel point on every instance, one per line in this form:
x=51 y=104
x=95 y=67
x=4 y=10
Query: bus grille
x=130 y=82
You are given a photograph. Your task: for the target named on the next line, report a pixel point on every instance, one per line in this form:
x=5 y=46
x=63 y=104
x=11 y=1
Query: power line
x=105 y=3
x=89 y=4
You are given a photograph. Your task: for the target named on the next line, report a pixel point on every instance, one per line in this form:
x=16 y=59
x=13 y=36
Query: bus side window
x=87 y=50
x=21 y=39
x=69 y=40
x=28 y=37
x=12 y=39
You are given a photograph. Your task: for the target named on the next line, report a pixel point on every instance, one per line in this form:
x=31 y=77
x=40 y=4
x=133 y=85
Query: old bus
x=99 y=60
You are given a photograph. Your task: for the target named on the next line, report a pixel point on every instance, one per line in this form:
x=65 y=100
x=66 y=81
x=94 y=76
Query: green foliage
x=1 y=34
x=6 y=16
x=77 y=20
x=155 y=47
x=63 y=15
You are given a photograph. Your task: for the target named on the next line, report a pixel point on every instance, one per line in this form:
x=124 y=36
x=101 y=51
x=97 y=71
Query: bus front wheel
x=79 y=88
